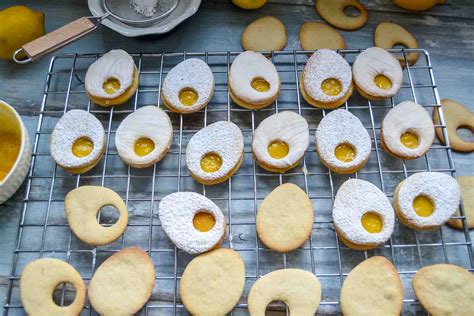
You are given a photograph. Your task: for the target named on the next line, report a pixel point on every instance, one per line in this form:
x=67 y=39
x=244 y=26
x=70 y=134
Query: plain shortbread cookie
x=264 y=34
x=318 y=35
x=467 y=194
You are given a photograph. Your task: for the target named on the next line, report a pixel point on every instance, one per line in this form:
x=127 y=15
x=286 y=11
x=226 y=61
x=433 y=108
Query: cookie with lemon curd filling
x=215 y=152
x=77 y=141
x=342 y=142
x=188 y=87
x=362 y=214
x=326 y=81
x=112 y=79
x=407 y=131
x=377 y=74
x=280 y=141
x=426 y=200
x=144 y=137
x=254 y=82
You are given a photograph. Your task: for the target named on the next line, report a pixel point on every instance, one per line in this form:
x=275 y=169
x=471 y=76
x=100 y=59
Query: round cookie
x=388 y=34
x=280 y=141
x=123 y=283
x=112 y=79
x=467 y=194
x=212 y=283
x=37 y=283
x=456 y=116
x=407 y=131
x=77 y=141
x=254 y=82
x=332 y=11
x=377 y=74
x=144 y=137
x=326 y=81
x=188 y=87
x=318 y=35
x=82 y=206
x=362 y=215
x=300 y=290
x=445 y=289
x=215 y=152
x=426 y=200
x=285 y=218
x=342 y=142
x=373 y=287
x=192 y=222
x=264 y=34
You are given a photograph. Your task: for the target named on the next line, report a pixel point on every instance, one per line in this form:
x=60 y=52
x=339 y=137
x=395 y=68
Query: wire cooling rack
x=43 y=229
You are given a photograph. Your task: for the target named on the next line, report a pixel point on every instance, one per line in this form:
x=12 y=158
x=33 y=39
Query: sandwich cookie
x=77 y=141
x=362 y=214
x=326 y=81
x=254 y=82
x=264 y=34
x=188 y=87
x=318 y=35
x=342 y=142
x=332 y=11
x=280 y=141
x=388 y=34
x=144 y=137
x=112 y=79
x=377 y=74
x=215 y=152
x=467 y=195
x=192 y=222
x=407 y=131
x=426 y=200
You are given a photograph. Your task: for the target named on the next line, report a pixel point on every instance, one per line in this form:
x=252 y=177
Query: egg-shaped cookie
x=342 y=142
x=387 y=35
x=407 y=131
x=426 y=200
x=188 y=87
x=362 y=215
x=280 y=141
x=215 y=152
x=332 y=11
x=316 y=35
x=267 y=33
x=326 y=81
x=144 y=137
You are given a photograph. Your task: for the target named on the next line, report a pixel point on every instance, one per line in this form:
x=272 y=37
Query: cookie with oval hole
x=280 y=141
x=254 y=82
x=333 y=12
x=373 y=287
x=285 y=218
x=300 y=290
x=387 y=35
x=77 y=142
x=267 y=33
x=342 y=142
x=82 y=205
x=407 y=131
x=326 y=81
x=192 y=222
x=377 y=74
x=215 y=152
x=188 y=87
x=38 y=281
x=445 y=289
x=426 y=200
x=362 y=215
x=318 y=35
x=144 y=137
x=112 y=79
x=467 y=195
x=212 y=283
x=123 y=283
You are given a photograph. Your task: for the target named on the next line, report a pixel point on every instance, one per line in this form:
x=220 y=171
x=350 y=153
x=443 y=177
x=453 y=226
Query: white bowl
x=16 y=175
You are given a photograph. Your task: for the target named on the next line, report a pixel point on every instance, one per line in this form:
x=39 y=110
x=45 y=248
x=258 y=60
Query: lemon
x=19 y=25
x=417 y=5
x=249 y=4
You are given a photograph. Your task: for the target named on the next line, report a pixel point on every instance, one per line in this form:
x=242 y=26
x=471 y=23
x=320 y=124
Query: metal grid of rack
x=43 y=229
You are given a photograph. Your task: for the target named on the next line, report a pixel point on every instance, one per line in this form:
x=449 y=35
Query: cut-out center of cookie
x=111 y=85
x=466 y=133
x=331 y=86
x=204 y=221
x=188 y=96
x=423 y=206
x=144 y=146
x=278 y=149
x=372 y=222
x=211 y=162
x=351 y=11
x=58 y=293
x=410 y=140
x=345 y=152
x=108 y=215
x=260 y=85
x=82 y=147
x=383 y=82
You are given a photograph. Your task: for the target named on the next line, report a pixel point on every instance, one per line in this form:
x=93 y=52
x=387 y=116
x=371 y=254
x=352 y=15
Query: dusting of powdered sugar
x=144 y=7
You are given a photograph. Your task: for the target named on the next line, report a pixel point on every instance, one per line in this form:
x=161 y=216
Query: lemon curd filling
x=211 y=162
x=144 y=146
x=278 y=149
x=383 y=82
x=188 y=97
x=345 y=152
x=409 y=140
x=203 y=222
x=260 y=85
x=372 y=222
x=82 y=147
x=423 y=206
x=10 y=144
x=111 y=86
x=331 y=87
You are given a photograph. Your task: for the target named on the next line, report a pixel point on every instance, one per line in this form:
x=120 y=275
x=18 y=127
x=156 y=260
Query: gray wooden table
x=446 y=31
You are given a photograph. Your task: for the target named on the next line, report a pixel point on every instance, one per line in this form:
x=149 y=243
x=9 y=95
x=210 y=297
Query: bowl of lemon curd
x=15 y=151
